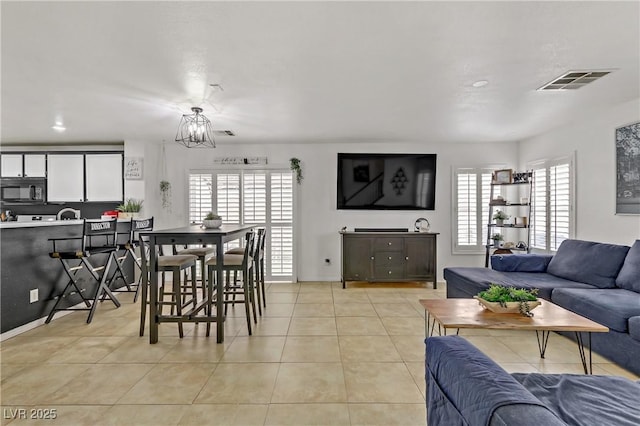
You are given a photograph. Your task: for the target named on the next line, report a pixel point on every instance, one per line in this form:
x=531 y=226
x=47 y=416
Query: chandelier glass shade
x=195 y=130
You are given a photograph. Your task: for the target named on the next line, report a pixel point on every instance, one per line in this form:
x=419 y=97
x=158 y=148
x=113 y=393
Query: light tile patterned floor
x=320 y=355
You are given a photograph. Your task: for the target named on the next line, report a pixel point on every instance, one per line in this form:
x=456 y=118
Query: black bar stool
x=179 y=297
x=258 y=266
x=127 y=245
x=236 y=263
x=98 y=237
x=203 y=254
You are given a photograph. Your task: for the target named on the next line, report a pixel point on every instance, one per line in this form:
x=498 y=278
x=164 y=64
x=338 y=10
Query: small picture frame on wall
x=503 y=176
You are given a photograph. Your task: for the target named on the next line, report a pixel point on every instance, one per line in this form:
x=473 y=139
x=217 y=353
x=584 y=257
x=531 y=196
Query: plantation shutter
x=472 y=194
x=254 y=198
x=539 y=210
x=559 y=205
x=467 y=209
x=200 y=196
x=228 y=197
x=281 y=237
x=551 y=213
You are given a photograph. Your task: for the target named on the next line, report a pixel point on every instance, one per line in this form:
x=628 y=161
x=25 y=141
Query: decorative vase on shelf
x=499 y=222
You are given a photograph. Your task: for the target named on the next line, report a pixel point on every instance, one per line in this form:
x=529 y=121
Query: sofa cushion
x=520 y=262
x=475 y=385
x=579 y=399
x=634 y=327
x=629 y=276
x=588 y=262
x=474 y=280
x=609 y=307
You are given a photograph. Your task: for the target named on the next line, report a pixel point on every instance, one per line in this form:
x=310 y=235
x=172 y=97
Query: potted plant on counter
x=130 y=209
x=503 y=299
x=212 y=220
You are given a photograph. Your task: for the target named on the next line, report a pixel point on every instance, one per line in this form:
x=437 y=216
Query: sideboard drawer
x=387 y=244
x=385 y=258
x=390 y=272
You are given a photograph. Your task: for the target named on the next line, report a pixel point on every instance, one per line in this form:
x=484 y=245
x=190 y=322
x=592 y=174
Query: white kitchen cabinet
x=11 y=165
x=65 y=180
x=104 y=177
x=34 y=165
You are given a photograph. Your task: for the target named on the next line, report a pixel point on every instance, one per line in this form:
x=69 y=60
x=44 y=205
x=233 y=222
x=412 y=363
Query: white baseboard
x=33 y=324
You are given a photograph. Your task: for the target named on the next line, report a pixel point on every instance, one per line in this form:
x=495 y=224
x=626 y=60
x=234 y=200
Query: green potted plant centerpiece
x=212 y=220
x=501 y=299
x=499 y=216
x=129 y=209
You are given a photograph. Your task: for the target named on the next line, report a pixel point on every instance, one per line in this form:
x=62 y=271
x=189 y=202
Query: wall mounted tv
x=386 y=181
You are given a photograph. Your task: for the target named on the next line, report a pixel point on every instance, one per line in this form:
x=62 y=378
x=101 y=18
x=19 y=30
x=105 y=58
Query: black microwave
x=23 y=190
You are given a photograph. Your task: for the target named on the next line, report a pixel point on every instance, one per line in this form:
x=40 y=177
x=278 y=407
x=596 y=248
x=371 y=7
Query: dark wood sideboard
x=380 y=256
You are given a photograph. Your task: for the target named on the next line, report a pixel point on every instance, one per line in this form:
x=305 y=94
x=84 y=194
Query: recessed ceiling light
x=59 y=127
x=480 y=83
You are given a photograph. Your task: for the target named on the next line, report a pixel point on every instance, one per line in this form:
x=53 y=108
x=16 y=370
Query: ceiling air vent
x=574 y=80
x=223 y=133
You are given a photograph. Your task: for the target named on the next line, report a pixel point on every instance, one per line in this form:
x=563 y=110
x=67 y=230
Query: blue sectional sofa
x=464 y=387
x=596 y=280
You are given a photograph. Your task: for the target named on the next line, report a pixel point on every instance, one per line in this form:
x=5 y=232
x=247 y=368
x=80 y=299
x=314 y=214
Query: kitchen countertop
x=38 y=223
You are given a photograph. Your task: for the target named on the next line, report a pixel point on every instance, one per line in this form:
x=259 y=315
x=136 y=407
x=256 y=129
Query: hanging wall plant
x=295 y=166
x=165 y=191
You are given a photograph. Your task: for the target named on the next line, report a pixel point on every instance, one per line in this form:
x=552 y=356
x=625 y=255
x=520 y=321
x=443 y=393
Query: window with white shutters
x=552 y=216
x=254 y=197
x=227 y=203
x=471 y=207
x=263 y=198
x=200 y=196
x=282 y=224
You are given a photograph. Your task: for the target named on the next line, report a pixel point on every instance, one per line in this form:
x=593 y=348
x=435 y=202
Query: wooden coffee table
x=467 y=313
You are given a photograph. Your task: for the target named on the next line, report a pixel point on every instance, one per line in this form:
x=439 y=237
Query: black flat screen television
x=386 y=181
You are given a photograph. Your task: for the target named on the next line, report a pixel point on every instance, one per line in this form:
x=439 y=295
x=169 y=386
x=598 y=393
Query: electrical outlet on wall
x=33 y=295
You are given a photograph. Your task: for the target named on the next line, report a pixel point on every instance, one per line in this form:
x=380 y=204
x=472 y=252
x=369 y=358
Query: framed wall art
x=628 y=169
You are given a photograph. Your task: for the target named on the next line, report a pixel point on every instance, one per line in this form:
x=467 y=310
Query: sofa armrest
x=520 y=262
x=465 y=387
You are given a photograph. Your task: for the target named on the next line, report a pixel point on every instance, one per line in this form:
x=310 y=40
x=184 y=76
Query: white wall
x=318 y=219
x=593 y=140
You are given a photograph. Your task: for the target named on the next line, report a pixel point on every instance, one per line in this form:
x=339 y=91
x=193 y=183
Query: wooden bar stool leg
x=177 y=296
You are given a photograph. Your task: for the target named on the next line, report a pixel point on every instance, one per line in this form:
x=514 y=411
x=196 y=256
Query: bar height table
x=193 y=234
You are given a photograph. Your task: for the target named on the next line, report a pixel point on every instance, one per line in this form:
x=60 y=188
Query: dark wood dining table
x=193 y=234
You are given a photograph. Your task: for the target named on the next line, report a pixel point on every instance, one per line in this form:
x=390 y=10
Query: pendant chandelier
x=195 y=130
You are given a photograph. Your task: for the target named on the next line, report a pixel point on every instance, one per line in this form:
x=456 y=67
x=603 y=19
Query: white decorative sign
x=133 y=168
x=240 y=160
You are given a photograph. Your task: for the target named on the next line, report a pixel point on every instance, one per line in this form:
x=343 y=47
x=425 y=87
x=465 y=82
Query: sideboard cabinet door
x=420 y=257
x=356 y=258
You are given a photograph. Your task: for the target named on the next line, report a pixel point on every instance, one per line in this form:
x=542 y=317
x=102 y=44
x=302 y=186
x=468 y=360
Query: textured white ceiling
x=310 y=71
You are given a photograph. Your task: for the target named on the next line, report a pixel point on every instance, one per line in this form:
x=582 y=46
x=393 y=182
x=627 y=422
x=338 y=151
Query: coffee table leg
x=542 y=341
x=583 y=355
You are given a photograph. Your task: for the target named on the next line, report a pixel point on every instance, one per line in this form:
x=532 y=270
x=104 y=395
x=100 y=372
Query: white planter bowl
x=128 y=215
x=212 y=224
x=511 y=308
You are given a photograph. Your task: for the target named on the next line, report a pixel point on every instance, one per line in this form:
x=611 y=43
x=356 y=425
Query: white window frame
x=253 y=170
x=481 y=206
x=547 y=164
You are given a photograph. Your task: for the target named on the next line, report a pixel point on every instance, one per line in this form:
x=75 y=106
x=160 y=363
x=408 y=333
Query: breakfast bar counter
x=27 y=272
